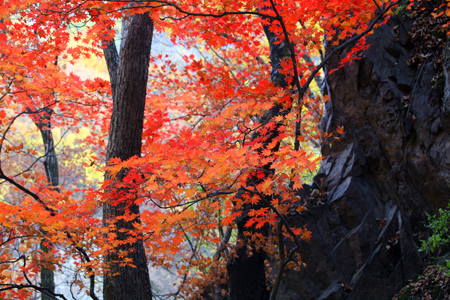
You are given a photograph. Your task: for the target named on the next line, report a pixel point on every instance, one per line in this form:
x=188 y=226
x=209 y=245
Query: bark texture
x=390 y=167
x=129 y=74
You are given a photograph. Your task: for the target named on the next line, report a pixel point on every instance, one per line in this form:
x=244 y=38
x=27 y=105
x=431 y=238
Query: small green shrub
x=440 y=237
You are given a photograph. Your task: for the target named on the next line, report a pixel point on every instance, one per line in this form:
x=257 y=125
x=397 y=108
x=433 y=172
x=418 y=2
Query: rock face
x=390 y=167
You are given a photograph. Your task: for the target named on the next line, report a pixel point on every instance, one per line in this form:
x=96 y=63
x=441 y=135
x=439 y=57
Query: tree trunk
x=52 y=173
x=247 y=277
x=390 y=166
x=129 y=74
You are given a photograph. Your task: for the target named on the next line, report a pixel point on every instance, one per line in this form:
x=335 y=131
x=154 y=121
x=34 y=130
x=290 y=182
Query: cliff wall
x=391 y=165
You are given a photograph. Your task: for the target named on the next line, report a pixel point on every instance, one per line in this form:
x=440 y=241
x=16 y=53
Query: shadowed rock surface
x=389 y=168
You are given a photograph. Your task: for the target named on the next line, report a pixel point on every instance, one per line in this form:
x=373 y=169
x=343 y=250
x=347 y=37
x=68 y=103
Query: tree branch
x=350 y=41
x=112 y=61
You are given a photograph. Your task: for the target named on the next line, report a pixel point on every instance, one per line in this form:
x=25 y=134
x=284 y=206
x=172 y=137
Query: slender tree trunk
x=52 y=173
x=247 y=279
x=129 y=73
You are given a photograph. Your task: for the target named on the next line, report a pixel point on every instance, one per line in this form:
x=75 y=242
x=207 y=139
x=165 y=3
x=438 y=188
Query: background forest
x=222 y=149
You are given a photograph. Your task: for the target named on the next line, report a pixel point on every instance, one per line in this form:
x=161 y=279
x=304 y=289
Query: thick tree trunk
x=247 y=277
x=390 y=166
x=52 y=172
x=129 y=75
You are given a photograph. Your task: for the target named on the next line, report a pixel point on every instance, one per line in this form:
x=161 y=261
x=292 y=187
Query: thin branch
x=279 y=18
x=179 y=9
x=281 y=269
x=112 y=61
x=37 y=159
x=17 y=116
x=41 y=289
x=350 y=41
x=31 y=286
x=223 y=243
x=226 y=63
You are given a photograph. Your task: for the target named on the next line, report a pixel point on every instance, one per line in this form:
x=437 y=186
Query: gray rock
x=390 y=167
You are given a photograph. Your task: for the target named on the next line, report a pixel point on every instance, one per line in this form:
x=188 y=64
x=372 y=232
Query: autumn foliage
x=203 y=138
